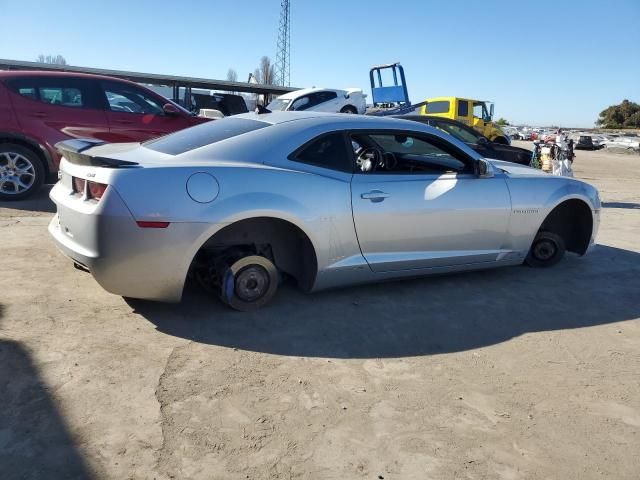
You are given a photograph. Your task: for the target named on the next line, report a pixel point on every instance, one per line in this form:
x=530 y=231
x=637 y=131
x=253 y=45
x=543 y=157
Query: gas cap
x=202 y=187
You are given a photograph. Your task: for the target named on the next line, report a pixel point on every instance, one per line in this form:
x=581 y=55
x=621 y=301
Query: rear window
x=205 y=134
x=437 y=107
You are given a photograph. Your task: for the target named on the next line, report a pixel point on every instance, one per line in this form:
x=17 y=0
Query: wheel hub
x=544 y=250
x=17 y=173
x=251 y=283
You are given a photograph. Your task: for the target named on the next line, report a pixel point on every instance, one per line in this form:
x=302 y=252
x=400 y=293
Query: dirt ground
x=507 y=374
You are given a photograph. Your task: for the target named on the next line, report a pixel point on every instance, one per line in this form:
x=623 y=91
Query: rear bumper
x=124 y=259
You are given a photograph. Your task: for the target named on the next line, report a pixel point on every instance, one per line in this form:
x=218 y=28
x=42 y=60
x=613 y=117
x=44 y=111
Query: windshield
x=204 y=134
x=467 y=136
x=279 y=104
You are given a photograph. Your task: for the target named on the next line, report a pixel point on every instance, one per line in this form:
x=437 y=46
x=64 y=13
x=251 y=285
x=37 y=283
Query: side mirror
x=483 y=141
x=484 y=169
x=170 y=109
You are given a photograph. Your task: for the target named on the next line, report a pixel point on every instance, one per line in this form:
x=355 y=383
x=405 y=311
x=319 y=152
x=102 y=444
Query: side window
x=437 y=107
x=125 y=98
x=463 y=108
x=403 y=153
x=326 y=96
x=60 y=91
x=65 y=96
x=328 y=151
x=29 y=92
x=301 y=103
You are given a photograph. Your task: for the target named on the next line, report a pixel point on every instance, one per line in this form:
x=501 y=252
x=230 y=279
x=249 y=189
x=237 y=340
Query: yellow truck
x=470 y=112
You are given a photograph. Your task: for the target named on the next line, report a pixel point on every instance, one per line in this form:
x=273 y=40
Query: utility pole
x=283 y=54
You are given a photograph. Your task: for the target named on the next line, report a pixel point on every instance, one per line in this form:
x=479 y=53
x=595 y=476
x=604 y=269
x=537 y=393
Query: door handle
x=124 y=122
x=40 y=114
x=374 y=196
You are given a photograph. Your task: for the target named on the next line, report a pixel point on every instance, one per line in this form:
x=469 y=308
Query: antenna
x=283 y=63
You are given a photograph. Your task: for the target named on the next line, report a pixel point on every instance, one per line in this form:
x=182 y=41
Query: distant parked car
x=524 y=135
x=321 y=100
x=628 y=143
x=40 y=109
x=587 y=142
x=474 y=139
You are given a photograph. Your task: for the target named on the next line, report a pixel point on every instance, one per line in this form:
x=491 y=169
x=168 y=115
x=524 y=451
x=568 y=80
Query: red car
x=39 y=109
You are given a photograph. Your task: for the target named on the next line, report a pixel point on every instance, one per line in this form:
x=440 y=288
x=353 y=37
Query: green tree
x=502 y=121
x=625 y=114
x=633 y=121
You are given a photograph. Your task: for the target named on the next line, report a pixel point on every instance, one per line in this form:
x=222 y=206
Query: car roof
x=345 y=121
x=306 y=91
x=4 y=74
x=434 y=118
x=292 y=123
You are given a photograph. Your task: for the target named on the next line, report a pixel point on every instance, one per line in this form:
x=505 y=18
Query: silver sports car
x=243 y=203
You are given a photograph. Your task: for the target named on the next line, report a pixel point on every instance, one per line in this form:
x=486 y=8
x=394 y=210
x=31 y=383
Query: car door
x=464 y=112
x=135 y=115
x=329 y=102
x=55 y=108
x=437 y=216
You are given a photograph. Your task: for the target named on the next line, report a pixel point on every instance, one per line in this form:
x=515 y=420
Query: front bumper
x=125 y=259
x=594 y=231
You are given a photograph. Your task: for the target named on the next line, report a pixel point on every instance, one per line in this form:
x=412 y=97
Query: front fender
x=534 y=198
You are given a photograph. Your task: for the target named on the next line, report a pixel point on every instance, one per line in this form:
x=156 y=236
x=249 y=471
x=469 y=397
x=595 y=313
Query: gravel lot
x=511 y=374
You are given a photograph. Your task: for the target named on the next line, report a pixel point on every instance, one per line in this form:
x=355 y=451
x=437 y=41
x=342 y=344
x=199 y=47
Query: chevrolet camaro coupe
x=241 y=204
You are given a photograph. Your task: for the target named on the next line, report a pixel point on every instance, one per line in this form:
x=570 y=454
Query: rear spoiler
x=72 y=151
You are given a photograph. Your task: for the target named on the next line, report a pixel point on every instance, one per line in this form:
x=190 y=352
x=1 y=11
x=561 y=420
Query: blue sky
x=542 y=62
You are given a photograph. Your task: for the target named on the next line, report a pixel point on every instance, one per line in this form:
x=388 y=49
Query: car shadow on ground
x=425 y=316
x=38 y=202
x=34 y=440
x=629 y=205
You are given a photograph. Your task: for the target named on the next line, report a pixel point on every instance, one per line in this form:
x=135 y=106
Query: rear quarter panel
x=319 y=205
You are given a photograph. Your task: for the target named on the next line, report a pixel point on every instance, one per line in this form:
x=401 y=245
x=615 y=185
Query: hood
x=514 y=169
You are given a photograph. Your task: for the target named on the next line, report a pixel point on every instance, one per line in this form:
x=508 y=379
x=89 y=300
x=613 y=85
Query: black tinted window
x=205 y=134
x=463 y=134
x=328 y=151
x=326 y=96
x=437 y=107
x=463 y=108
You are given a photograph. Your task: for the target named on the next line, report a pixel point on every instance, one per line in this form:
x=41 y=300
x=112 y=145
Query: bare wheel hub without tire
x=251 y=283
x=17 y=173
x=544 y=249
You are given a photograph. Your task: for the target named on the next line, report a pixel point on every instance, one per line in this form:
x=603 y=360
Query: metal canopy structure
x=152 y=78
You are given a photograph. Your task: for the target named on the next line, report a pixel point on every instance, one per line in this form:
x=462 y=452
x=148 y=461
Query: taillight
x=78 y=185
x=95 y=190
